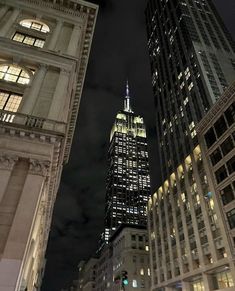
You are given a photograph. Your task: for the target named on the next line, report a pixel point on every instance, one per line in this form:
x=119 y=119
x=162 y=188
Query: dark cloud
x=119 y=52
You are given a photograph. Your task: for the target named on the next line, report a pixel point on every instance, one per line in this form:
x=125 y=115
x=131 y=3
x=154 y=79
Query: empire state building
x=128 y=180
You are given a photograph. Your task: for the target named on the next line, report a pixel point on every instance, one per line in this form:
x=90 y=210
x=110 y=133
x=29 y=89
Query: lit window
x=10 y=102
x=149 y=272
x=224 y=280
x=134 y=284
x=36 y=25
x=26 y=39
x=198 y=286
x=14 y=74
x=142 y=272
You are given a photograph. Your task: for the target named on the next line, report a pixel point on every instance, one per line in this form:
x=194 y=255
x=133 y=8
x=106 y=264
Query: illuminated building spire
x=127 y=106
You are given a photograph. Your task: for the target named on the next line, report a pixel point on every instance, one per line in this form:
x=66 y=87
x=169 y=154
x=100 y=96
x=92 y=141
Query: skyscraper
x=128 y=180
x=192 y=61
x=44 y=51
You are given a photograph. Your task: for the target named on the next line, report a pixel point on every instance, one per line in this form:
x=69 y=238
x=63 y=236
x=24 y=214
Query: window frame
x=25 y=35
x=41 y=30
x=9 y=84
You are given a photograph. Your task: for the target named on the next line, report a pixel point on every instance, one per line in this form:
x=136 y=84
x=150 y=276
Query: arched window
x=14 y=74
x=35 y=24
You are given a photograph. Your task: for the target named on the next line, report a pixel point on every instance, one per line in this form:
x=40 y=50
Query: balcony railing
x=33 y=122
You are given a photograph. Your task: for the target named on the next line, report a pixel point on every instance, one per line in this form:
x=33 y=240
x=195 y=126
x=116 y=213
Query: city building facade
x=127 y=251
x=131 y=255
x=128 y=179
x=87 y=275
x=190 y=217
x=216 y=133
x=192 y=62
x=44 y=50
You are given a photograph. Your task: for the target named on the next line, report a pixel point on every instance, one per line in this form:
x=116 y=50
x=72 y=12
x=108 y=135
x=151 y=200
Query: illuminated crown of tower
x=127 y=106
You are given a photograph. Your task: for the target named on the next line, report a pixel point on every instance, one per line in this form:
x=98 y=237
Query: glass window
x=231 y=165
x=210 y=137
x=132 y=237
x=10 y=101
x=26 y=39
x=224 y=280
x=220 y=126
x=227 y=146
x=231 y=218
x=134 y=284
x=221 y=174
x=215 y=156
x=227 y=194
x=36 y=25
x=198 y=286
x=230 y=114
x=14 y=74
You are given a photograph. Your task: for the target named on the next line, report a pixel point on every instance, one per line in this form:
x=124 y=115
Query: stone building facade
x=44 y=50
x=127 y=251
x=191 y=221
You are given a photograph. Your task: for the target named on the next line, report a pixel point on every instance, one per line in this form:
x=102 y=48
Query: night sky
x=119 y=51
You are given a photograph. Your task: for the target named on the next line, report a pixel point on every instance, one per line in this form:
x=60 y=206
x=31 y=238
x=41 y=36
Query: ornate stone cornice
x=219 y=107
x=7 y=161
x=38 y=167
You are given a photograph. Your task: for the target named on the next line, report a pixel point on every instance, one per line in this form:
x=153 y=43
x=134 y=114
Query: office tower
x=44 y=49
x=191 y=216
x=128 y=180
x=192 y=62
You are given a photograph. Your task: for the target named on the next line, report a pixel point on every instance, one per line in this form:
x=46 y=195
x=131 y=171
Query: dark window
x=227 y=194
x=220 y=126
x=227 y=146
x=210 y=137
x=230 y=114
x=132 y=237
x=231 y=165
x=215 y=156
x=231 y=218
x=221 y=174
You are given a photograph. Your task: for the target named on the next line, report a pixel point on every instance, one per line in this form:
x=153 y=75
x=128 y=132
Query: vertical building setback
x=192 y=62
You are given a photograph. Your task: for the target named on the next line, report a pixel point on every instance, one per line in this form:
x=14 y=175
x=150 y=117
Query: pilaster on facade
x=42 y=70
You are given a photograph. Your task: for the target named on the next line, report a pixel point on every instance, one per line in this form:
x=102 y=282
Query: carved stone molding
x=40 y=168
x=7 y=161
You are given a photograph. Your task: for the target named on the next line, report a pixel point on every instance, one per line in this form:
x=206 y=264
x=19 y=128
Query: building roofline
x=221 y=104
x=126 y=225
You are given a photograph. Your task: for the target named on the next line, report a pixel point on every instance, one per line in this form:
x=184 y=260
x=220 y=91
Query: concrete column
x=186 y=286
x=4 y=178
x=5 y=28
x=74 y=39
x=15 y=249
x=3 y=11
x=7 y=163
x=208 y=282
x=59 y=95
x=31 y=96
x=55 y=35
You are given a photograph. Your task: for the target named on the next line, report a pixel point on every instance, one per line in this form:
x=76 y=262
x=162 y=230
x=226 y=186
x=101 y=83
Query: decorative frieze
x=7 y=161
x=37 y=167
